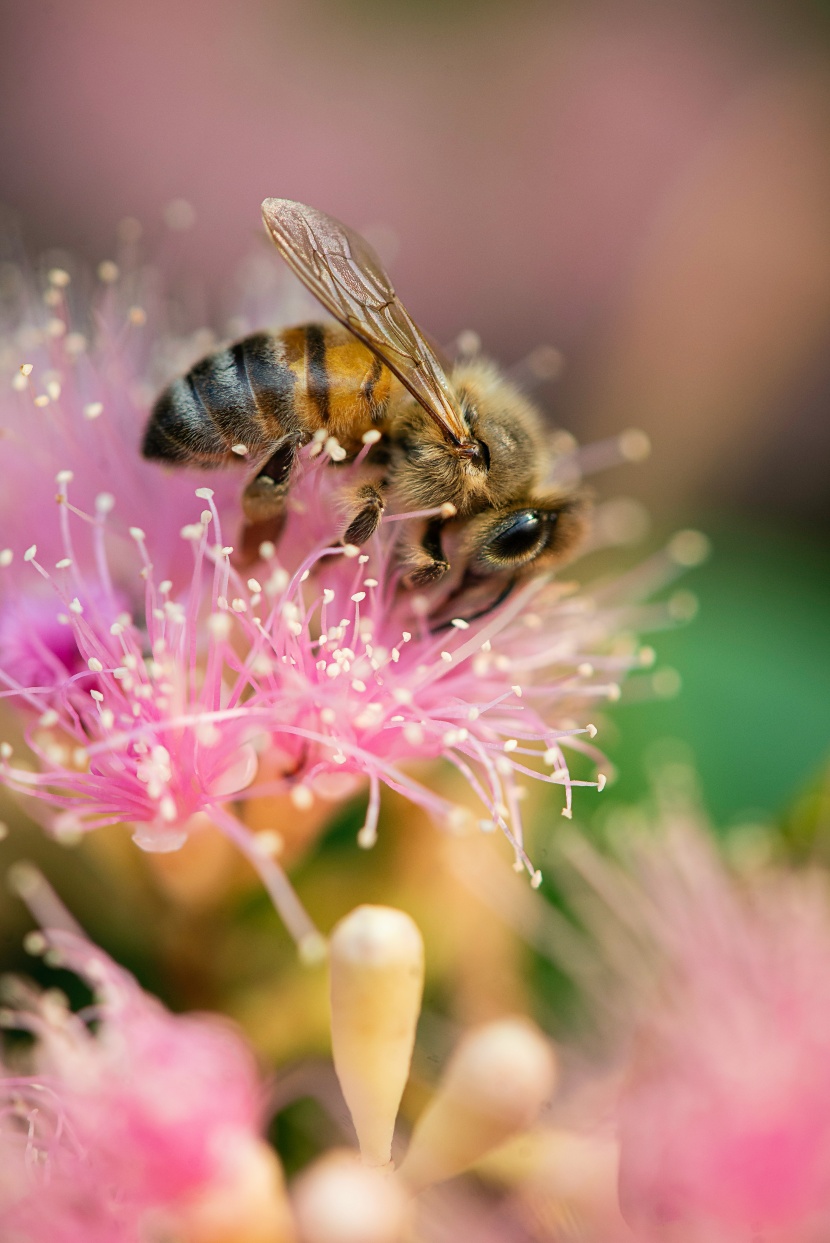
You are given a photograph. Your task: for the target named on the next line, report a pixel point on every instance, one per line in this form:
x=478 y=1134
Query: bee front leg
x=426 y=560
x=370 y=505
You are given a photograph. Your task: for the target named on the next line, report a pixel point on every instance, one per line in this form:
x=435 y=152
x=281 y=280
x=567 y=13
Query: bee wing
x=345 y=274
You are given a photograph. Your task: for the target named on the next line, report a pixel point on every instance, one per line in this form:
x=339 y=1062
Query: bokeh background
x=642 y=186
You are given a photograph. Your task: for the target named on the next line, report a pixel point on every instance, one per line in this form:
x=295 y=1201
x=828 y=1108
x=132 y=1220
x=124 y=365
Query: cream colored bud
x=377 y=979
x=245 y=1203
x=494 y=1086
x=338 y=1200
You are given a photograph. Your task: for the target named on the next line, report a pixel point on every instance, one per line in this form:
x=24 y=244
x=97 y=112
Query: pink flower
x=156 y=683
x=121 y=1118
x=725 y=1118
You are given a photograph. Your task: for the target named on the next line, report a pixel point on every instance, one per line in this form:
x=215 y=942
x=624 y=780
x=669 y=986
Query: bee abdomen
x=242 y=395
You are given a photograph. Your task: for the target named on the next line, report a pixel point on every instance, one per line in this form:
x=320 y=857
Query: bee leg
x=426 y=571
x=266 y=494
x=427 y=562
x=482 y=612
x=253 y=536
x=362 y=527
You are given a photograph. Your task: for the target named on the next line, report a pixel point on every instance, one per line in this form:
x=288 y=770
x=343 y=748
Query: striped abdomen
x=267 y=388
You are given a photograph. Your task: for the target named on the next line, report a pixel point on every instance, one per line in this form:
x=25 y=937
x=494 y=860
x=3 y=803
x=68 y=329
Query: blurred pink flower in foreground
x=123 y=1123
x=725 y=1118
x=158 y=684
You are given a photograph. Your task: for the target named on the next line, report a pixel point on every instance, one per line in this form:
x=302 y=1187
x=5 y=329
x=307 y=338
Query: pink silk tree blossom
x=155 y=682
x=120 y=1122
x=721 y=980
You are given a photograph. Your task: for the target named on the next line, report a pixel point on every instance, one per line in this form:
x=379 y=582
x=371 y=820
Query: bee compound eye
x=519 y=538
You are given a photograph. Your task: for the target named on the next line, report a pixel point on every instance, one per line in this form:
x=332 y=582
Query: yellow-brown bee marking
x=466 y=440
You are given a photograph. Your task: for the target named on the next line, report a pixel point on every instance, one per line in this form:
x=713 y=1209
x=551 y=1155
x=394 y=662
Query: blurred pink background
x=643 y=186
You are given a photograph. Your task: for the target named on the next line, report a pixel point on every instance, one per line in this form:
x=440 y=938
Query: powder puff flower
x=157 y=684
x=725 y=1123
x=712 y=991
x=722 y=982
x=123 y=1123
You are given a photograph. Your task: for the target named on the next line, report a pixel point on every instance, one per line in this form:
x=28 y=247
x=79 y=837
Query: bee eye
x=520 y=537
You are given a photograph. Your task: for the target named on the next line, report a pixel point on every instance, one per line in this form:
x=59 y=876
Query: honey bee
x=462 y=438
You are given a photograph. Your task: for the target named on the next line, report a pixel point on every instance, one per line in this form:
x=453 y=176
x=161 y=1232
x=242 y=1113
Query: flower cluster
x=725 y=1118
x=122 y=1122
x=158 y=683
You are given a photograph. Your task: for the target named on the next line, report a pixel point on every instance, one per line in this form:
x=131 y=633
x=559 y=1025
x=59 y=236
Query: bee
x=459 y=439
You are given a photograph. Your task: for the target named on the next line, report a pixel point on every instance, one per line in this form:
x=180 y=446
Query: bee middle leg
x=263 y=504
x=370 y=505
x=265 y=496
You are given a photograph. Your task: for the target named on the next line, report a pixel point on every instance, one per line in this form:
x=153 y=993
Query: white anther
x=371 y=437
x=634 y=445
x=108 y=272
x=93 y=410
x=334 y=449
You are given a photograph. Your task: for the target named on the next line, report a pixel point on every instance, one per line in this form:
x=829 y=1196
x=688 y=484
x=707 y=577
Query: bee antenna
x=475 y=451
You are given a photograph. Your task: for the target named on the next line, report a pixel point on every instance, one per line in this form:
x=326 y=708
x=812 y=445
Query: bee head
x=507 y=446
x=539 y=534
x=499 y=464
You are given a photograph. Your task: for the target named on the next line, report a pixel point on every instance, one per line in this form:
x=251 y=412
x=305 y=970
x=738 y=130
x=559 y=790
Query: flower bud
x=495 y=1084
x=377 y=978
x=247 y=1202
x=338 y=1200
